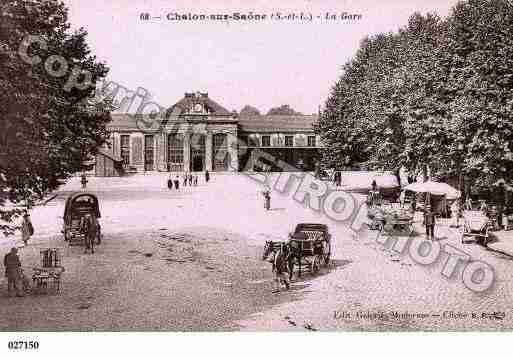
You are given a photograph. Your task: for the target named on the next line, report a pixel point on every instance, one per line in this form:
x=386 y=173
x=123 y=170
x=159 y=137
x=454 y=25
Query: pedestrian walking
x=190 y=179
x=83 y=180
x=195 y=180
x=170 y=182
x=27 y=229
x=184 y=179
x=13 y=272
x=338 y=178
x=468 y=204
x=207 y=176
x=374 y=185
x=456 y=213
x=402 y=198
x=484 y=207
x=177 y=182
x=429 y=221
x=89 y=230
x=267 y=199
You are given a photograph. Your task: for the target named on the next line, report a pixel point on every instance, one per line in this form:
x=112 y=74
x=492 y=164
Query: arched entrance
x=220 y=152
x=175 y=152
x=197 y=152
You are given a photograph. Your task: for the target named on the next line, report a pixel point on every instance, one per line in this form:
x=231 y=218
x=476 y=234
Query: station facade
x=198 y=134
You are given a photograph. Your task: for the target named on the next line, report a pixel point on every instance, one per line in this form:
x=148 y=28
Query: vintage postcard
x=293 y=166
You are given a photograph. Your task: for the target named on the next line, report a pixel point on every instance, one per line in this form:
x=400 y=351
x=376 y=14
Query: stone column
x=233 y=151
x=160 y=151
x=136 y=151
x=208 y=151
x=186 y=151
x=116 y=147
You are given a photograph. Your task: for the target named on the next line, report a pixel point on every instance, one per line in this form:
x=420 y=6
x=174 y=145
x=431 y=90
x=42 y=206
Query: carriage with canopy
x=310 y=247
x=79 y=206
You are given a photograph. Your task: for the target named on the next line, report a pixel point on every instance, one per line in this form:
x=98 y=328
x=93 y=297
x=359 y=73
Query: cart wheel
x=314 y=267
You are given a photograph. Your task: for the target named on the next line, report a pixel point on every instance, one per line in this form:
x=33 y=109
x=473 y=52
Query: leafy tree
x=282 y=110
x=479 y=61
x=49 y=126
x=249 y=111
x=437 y=94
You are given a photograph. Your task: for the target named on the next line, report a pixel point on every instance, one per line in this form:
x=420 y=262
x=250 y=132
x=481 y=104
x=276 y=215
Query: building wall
x=106 y=167
x=239 y=151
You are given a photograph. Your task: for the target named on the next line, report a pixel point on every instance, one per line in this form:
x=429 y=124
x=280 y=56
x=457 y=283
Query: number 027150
x=23 y=345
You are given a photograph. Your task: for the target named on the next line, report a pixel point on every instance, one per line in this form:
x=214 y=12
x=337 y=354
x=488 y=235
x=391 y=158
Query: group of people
x=187 y=179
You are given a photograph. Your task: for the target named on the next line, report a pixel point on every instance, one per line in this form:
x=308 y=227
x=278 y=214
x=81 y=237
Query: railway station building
x=198 y=134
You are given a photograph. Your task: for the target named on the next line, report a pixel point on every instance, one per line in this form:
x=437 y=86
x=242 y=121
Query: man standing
x=83 y=181
x=184 y=179
x=87 y=224
x=12 y=266
x=177 y=182
x=374 y=185
x=27 y=229
x=267 y=199
x=207 y=176
x=429 y=220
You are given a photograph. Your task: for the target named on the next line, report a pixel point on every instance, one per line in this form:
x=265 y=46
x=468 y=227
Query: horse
x=282 y=261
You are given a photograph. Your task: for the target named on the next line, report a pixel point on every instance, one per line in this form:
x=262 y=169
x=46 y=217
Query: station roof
x=277 y=123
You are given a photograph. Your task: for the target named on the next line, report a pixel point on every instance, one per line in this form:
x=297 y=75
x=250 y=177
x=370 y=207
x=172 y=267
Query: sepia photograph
x=232 y=166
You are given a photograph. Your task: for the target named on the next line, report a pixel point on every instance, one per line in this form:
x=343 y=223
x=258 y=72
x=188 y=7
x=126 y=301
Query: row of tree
x=281 y=110
x=47 y=129
x=437 y=94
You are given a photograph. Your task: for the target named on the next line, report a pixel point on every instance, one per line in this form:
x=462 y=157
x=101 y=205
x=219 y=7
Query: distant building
x=198 y=134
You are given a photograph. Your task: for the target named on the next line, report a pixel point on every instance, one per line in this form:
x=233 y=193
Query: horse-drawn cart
x=79 y=206
x=477 y=226
x=310 y=247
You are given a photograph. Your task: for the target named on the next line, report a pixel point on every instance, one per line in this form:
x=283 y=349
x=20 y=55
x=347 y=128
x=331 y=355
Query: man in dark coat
x=429 y=221
x=88 y=225
x=207 y=176
x=177 y=182
x=12 y=266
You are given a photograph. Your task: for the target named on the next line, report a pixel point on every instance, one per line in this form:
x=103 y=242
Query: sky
x=260 y=63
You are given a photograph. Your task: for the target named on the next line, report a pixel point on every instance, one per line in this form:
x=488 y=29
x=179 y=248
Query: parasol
x=434 y=188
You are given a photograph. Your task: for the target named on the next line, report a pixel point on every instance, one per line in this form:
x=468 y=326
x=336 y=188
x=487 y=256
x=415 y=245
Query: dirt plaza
x=190 y=260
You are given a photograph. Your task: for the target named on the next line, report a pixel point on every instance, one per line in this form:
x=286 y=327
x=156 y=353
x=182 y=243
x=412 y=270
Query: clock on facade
x=198 y=108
